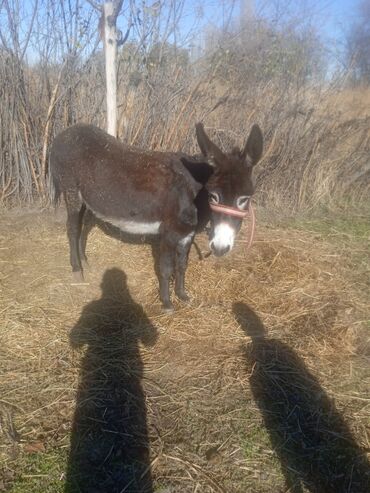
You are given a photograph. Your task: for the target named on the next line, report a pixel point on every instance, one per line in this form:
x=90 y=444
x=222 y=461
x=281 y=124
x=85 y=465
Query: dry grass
x=351 y=103
x=199 y=377
x=317 y=137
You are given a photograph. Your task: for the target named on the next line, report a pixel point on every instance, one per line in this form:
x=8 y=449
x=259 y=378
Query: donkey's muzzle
x=219 y=251
x=222 y=239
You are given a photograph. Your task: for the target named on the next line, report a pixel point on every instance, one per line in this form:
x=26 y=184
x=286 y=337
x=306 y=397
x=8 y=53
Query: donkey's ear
x=207 y=147
x=253 y=148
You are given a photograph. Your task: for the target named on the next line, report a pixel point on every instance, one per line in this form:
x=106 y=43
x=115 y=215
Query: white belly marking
x=129 y=226
x=134 y=227
x=186 y=240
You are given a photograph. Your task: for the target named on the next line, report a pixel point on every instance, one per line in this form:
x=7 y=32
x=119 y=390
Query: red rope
x=233 y=211
x=230 y=211
x=253 y=225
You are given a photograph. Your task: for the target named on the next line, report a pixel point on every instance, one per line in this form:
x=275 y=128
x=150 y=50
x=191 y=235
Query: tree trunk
x=110 y=50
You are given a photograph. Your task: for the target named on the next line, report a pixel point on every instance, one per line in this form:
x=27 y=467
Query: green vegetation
x=337 y=227
x=350 y=234
x=40 y=472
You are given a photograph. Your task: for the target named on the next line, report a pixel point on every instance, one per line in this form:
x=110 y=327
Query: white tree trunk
x=110 y=50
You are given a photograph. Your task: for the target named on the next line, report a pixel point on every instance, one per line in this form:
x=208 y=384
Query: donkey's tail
x=55 y=192
x=53 y=184
x=53 y=177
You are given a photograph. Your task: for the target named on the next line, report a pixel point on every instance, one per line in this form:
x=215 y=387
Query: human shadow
x=311 y=439
x=109 y=449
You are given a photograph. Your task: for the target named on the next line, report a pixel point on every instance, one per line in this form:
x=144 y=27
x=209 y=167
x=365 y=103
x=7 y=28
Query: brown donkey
x=154 y=193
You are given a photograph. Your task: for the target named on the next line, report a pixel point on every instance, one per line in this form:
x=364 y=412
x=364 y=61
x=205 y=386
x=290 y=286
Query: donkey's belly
x=130 y=226
x=133 y=227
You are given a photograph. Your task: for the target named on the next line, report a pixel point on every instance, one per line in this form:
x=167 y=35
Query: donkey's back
x=79 y=154
x=118 y=181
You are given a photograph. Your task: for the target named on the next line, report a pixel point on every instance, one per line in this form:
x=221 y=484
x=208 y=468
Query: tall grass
x=314 y=153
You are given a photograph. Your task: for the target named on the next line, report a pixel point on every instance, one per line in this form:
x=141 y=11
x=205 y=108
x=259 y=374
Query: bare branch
x=117 y=6
x=28 y=37
x=95 y=5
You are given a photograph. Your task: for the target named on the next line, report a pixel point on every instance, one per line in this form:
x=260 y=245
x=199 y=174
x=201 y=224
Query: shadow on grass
x=311 y=439
x=109 y=442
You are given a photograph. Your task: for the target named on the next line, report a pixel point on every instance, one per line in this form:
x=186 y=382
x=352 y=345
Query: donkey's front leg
x=182 y=254
x=166 y=268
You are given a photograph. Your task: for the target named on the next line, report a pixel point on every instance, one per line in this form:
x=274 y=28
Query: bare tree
x=112 y=38
x=358 y=44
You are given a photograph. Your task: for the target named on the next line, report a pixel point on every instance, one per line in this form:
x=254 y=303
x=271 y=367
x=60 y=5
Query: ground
x=260 y=384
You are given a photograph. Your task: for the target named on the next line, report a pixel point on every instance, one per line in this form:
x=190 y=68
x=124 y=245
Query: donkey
x=152 y=193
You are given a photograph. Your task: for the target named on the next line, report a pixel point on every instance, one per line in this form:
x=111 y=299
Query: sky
x=330 y=17
x=337 y=16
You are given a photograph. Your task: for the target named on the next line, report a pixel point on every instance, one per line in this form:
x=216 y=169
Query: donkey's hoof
x=77 y=276
x=168 y=307
x=85 y=265
x=183 y=296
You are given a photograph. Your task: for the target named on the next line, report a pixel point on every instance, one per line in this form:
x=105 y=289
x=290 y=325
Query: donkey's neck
x=199 y=169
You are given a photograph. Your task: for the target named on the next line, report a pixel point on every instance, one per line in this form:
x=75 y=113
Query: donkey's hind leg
x=87 y=224
x=74 y=215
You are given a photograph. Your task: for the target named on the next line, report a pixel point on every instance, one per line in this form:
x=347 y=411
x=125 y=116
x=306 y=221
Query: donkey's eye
x=214 y=197
x=242 y=202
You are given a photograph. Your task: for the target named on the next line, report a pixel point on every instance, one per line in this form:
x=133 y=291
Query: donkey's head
x=230 y=185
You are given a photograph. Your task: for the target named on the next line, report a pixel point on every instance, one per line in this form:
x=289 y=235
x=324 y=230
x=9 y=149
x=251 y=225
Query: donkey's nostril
x=225 y=250
x=219 y=251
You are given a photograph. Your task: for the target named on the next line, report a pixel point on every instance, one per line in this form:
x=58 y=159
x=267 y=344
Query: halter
x=230 y=211
x=233 y=211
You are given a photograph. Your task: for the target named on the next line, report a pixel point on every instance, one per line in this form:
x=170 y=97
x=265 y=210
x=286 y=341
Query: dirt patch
x=170 y=403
